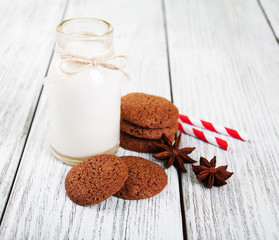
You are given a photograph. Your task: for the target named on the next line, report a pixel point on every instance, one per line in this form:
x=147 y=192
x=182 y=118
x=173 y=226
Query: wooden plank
x=271 y=9
x=39 y=207
x=26 y=45
x=224 y=68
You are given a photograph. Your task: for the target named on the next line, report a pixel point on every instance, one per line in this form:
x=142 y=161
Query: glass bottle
x=84 y=99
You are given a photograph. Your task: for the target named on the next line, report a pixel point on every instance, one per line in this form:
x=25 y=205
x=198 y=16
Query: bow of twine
x=85 y=63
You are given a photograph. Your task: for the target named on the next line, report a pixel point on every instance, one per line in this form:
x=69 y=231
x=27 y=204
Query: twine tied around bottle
x=105 y=61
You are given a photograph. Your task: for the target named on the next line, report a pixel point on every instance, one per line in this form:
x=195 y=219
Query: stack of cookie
x=144 y=119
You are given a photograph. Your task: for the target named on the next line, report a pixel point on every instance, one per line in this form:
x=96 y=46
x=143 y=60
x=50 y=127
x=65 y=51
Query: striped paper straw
x=214 y=128
x=203 y=136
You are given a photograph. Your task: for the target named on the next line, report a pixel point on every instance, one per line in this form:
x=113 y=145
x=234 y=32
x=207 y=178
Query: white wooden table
x=217 y=60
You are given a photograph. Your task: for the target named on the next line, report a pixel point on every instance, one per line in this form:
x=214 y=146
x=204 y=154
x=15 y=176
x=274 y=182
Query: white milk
x=84 y=108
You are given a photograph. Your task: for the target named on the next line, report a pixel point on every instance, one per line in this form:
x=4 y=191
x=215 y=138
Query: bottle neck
x=88 y=49
x=85 y=37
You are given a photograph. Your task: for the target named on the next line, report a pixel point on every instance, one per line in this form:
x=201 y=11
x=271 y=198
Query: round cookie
x=96 y=179
x=148 y=111
x=140 y=144
x=147 y=133
x=146 y=179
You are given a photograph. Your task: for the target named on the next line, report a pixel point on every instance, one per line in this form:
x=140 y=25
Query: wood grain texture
x=224 y=68
x=271 y=9
x=39 y=207
x=26 y=44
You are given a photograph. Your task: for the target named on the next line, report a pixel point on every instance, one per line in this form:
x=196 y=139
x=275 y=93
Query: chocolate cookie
x=96 y=179
x=147 y=133
x=140 y=144
x=146 y=179
x=148 y=111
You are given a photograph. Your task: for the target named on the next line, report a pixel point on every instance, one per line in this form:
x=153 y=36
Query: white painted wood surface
x=26 y=44
x=39 y=207
x=271 y=8
x=224 y=68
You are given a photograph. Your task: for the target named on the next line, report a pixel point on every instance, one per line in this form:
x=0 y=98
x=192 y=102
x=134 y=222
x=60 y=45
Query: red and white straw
x=213 y=127
x=203 y=136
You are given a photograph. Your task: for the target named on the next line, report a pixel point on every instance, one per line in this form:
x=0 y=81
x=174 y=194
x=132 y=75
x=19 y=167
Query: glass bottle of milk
x=83 y=99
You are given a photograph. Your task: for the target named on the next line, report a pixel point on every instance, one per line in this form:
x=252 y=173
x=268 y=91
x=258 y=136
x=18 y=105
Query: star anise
x=209 y=175
x=172 y=154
